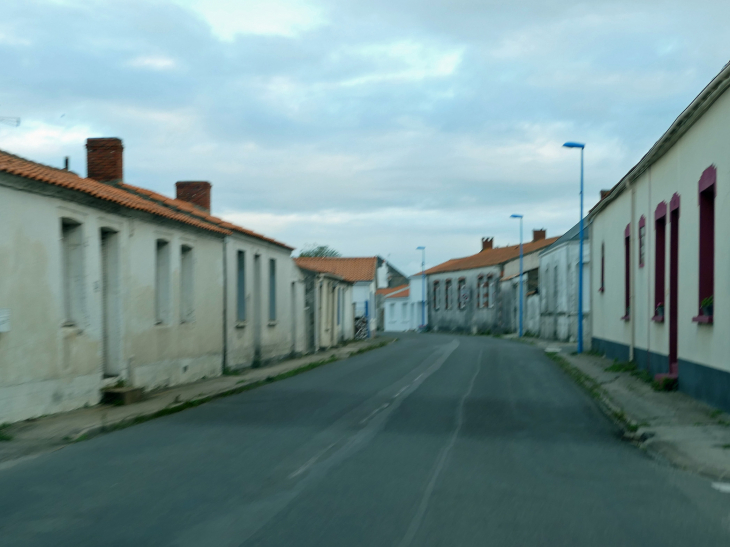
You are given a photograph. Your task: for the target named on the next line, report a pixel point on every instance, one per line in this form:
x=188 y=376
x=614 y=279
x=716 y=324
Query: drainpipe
x=225 y=304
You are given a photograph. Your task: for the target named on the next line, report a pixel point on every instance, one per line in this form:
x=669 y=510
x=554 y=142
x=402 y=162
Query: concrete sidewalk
x=32 y=437
x=680 y=429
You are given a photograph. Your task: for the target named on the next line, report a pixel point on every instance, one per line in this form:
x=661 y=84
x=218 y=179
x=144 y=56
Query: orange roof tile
x=350 y=269
x=387 y=290
x=490 y=257
x=21 y=167
x=402 y=292
x=125 y=195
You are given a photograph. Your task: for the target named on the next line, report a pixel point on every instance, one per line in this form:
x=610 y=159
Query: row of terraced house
x=104 y=284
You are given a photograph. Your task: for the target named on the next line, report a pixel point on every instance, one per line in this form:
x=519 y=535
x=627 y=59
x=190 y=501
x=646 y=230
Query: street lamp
x=423 y=285
x=520 y=217
x=580 y=248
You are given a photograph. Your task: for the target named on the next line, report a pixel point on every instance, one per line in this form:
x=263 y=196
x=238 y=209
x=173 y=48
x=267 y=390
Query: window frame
x=272 y=290
x=461 y=286
x=627 y=273
x=706 y=194
x=642 y=241
x=660 y=260
x=240 y=285
x=436 y=285
x=447 y=290
x=163 y=272
x=187 y=284
x=602 y=288
x=72 y=271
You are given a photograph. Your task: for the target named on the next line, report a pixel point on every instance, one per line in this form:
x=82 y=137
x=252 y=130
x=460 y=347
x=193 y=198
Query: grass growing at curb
x=173 y=409
x=4 y=436
x=593 y=388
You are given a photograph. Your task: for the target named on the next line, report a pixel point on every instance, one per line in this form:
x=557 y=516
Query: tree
x=320 y=250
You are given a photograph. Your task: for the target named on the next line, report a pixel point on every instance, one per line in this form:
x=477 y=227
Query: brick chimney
x=538 y=235
x=196 y=192
x=487 y=243
x=604 y=193
x=104 y=160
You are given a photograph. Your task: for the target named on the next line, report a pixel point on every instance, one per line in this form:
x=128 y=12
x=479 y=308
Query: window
x=339 y=303
x=602 y=288
x=660 y=237
x=162 y=282
x=555 y=288
x=627 y=272
x=272 y=290
x=435 y=295
x=392 y=311
x=187 y=288
x=486 y=292
x=72 y=248
x=447 y=294
x=480 y=283
x=642 y=240
x=707 y=241
x=241 y=286
x=463 y=294
x=404 y=314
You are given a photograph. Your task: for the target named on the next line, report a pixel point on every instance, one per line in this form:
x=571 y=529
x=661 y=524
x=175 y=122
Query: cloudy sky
x=373 y=126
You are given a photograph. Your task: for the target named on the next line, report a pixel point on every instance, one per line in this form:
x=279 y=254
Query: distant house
x=329 y=308
x=396 y=308
x=559 y=287
x=660 y=283
x=102 y=283
x=475 y=294
x=362 y=273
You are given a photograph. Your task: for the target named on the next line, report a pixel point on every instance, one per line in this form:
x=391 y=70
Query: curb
x=239 y=387
x=631 y=431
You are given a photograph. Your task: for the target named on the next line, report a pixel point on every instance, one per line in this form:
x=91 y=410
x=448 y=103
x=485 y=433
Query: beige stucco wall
x=46 y=367
x=276 y=339
x=678 y=171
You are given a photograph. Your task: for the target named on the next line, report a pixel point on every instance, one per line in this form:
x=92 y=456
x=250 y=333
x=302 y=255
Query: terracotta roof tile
x=490 y=257
x=350 y=269
x=388 y=290
x=401 y=292
x=21 y=167
x=126 y=195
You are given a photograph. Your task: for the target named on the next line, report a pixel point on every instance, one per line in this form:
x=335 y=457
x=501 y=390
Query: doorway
x=110 y=304
x=673 y=284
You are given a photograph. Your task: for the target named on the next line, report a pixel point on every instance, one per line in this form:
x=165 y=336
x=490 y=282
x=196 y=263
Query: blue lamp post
x=580 y=248
x=521 y=270
x=423 y=285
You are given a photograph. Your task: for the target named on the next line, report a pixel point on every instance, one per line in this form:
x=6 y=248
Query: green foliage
x=320 y=250
x=4 y=435
x=707 y=301
x=619 y=366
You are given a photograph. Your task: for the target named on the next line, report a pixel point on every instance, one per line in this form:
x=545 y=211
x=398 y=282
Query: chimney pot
x=196 y=192
x=104 y=160
x=538 y=235
x=487 y=243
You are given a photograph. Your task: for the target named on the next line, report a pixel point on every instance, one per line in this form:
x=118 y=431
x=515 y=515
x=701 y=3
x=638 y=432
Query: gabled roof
x=490 y=257
x=125 y=195
x=400 y=292
x=389 y=290
x=573 y=234
x=689 y=116
x=350 y=269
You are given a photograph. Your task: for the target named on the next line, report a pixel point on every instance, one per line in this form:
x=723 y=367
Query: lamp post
x=521 y=270
x=423 y=285
x=580 y=248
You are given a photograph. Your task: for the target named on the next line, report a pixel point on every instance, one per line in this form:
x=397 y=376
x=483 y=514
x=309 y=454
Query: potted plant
x=660 y=310
x=706 y=306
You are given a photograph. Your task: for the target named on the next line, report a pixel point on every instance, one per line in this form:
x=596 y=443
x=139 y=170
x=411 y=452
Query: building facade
x=103 y=283
x=464 y=294
x=661 y=276
x=558 y=307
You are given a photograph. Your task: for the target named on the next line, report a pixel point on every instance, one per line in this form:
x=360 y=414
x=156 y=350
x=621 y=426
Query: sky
x=373 y=126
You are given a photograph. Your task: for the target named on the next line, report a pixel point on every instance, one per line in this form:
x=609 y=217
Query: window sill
x=601 y=290
x=240 y=324
x=626 y=318
x=703 y=319
x=272 y=323
x=658 y=319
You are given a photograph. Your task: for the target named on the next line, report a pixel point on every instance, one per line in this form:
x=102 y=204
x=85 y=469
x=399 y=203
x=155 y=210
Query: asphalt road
x=434 y=440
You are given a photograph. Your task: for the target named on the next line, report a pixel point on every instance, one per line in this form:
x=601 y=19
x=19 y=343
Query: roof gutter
x=681 y=125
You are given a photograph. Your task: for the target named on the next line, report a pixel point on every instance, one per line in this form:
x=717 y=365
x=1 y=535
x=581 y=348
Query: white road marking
x=401 y=391
x=374 y=412
x=440 y=463
x=723 y=487
x=311 y=462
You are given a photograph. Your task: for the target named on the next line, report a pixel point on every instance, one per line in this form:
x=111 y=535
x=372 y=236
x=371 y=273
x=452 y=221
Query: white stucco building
x=558 y=307
x=329 y=308
x=661 y=269
x=102 y=282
